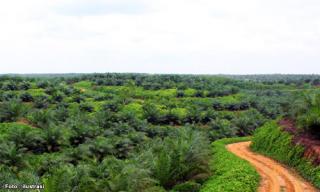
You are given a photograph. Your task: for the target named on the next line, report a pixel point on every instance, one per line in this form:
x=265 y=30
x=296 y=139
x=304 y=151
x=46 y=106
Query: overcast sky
x=160 y=36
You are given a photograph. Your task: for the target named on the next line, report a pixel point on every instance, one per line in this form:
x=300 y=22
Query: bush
x=230 y=173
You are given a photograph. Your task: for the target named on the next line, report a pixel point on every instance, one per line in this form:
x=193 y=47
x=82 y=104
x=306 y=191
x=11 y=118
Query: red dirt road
x=274 y=176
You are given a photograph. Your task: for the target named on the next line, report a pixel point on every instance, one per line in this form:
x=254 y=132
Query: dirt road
x=274 y=176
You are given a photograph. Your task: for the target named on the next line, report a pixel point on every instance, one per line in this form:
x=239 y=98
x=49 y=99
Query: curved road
x=274 y=176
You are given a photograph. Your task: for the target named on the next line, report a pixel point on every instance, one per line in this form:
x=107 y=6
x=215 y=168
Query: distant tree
x=86 y=107
x=10 y=86
x=41 y=102
x=221 y=128
x=42 y=84
x=24 y=85
x=180 y=93
x=10 y=111
x=26 y=97
x=151 y=113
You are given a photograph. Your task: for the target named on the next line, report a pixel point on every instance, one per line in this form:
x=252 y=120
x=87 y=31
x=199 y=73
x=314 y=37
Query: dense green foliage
x=270 y=140
x=305 y=110
x=230 y=172
x=127 y=132
x=300 y=80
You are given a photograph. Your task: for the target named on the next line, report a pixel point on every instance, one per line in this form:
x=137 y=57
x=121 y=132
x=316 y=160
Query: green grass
x=271 y=141
x=133 y=108
x=230 y=173
x=83 y=85
x=236 y=98
x=36 y=92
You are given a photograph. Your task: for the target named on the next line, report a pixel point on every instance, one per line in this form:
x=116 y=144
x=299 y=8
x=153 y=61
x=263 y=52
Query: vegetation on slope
x=272 y=141
x=305 y=111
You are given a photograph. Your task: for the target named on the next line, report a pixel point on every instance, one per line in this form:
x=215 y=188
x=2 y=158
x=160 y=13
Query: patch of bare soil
x=25 y=121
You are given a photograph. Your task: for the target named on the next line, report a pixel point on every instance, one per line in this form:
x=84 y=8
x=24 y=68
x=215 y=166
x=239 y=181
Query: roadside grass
x=230 y=173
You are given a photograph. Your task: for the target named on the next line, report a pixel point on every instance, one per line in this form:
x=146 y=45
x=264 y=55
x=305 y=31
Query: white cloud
x=160 y=36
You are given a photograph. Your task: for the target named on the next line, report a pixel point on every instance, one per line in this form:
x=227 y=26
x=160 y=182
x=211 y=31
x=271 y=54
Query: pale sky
x=160 y=36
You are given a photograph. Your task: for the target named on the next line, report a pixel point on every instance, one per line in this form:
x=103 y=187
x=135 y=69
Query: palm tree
x=55 y=137
x=125 y=176
x=10 y=155
x=11 y=110
x=178 y=158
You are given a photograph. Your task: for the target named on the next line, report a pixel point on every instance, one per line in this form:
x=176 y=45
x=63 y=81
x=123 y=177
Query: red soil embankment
x=308 y=141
